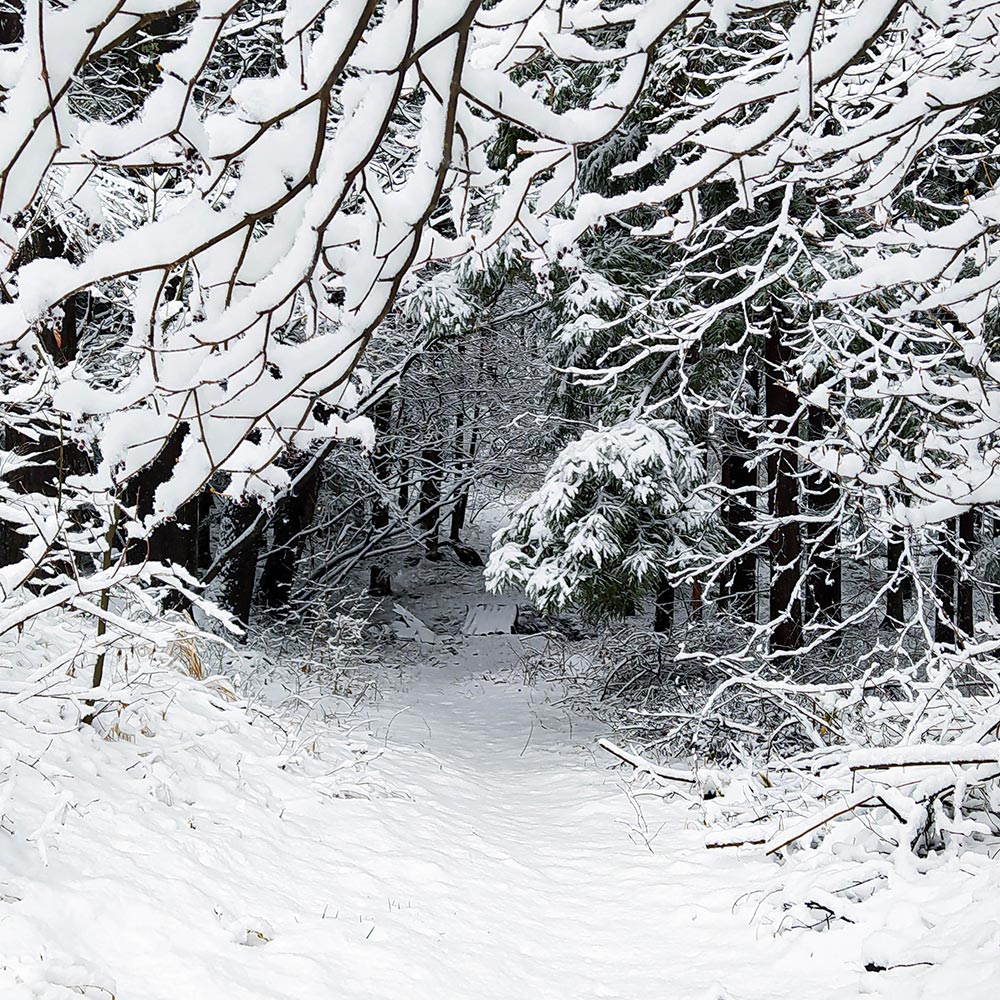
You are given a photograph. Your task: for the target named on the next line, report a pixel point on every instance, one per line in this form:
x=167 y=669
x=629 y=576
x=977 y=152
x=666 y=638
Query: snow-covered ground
x=457 y=839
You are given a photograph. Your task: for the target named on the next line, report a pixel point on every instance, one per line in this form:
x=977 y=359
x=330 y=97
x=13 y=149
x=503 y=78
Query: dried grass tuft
x=186 y=653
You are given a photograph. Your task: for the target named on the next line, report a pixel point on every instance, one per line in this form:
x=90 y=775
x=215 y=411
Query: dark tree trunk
x=786 y=542
x=295 y=513
x=967 y=535
x=825 y=584
x=53 y=455
x=996 y=582
x=429 y=518
x=944 y=585
x=663 y=616
x=697 y=602
x=461 y=496
x=206 y=504
x=380 y=579
x=240 y=572
x=404 y=483
x=895 y=611
x=458 y=515
x=174 y=541
x=466 y=456
x=739 y=481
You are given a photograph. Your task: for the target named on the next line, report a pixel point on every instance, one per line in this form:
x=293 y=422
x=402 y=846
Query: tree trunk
x=460 y=511
x=429 y=517
x=966 y=593
x=240 y=573
x=404 y=483
x=944 y=585
x=295 y=513
x=663 y=616
x=380 y=579
x=697 y=602
x=739 y=481
x=173 y=541
x=996 y=583
x=206 y=504
x=895 y=610
x=825 y=584
x=785 y=605
x=458 y=515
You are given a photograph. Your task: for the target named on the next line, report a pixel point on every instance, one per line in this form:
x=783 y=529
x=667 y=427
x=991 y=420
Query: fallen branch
x=738 y=836
x=785 y=838
x=925 y=763
x=641 y=764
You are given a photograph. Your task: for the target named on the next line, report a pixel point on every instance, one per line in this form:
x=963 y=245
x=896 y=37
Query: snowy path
x=508 y=864
x=520 y=867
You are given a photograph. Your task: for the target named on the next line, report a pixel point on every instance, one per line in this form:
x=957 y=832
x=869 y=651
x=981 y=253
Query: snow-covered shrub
x=618 y=509
x=888 y=781
x=316 y=655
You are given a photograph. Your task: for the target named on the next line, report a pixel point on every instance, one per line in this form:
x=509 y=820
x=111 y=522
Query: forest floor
x=455 y=839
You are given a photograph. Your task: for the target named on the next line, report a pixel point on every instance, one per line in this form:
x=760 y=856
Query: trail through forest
x=527 y=869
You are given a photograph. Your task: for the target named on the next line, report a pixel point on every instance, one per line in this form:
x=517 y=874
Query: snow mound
x=160 y=830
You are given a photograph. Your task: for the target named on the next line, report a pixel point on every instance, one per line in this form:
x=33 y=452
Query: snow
x=462 y=834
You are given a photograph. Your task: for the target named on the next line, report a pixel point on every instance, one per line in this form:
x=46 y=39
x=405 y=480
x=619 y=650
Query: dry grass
x=186 y=653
